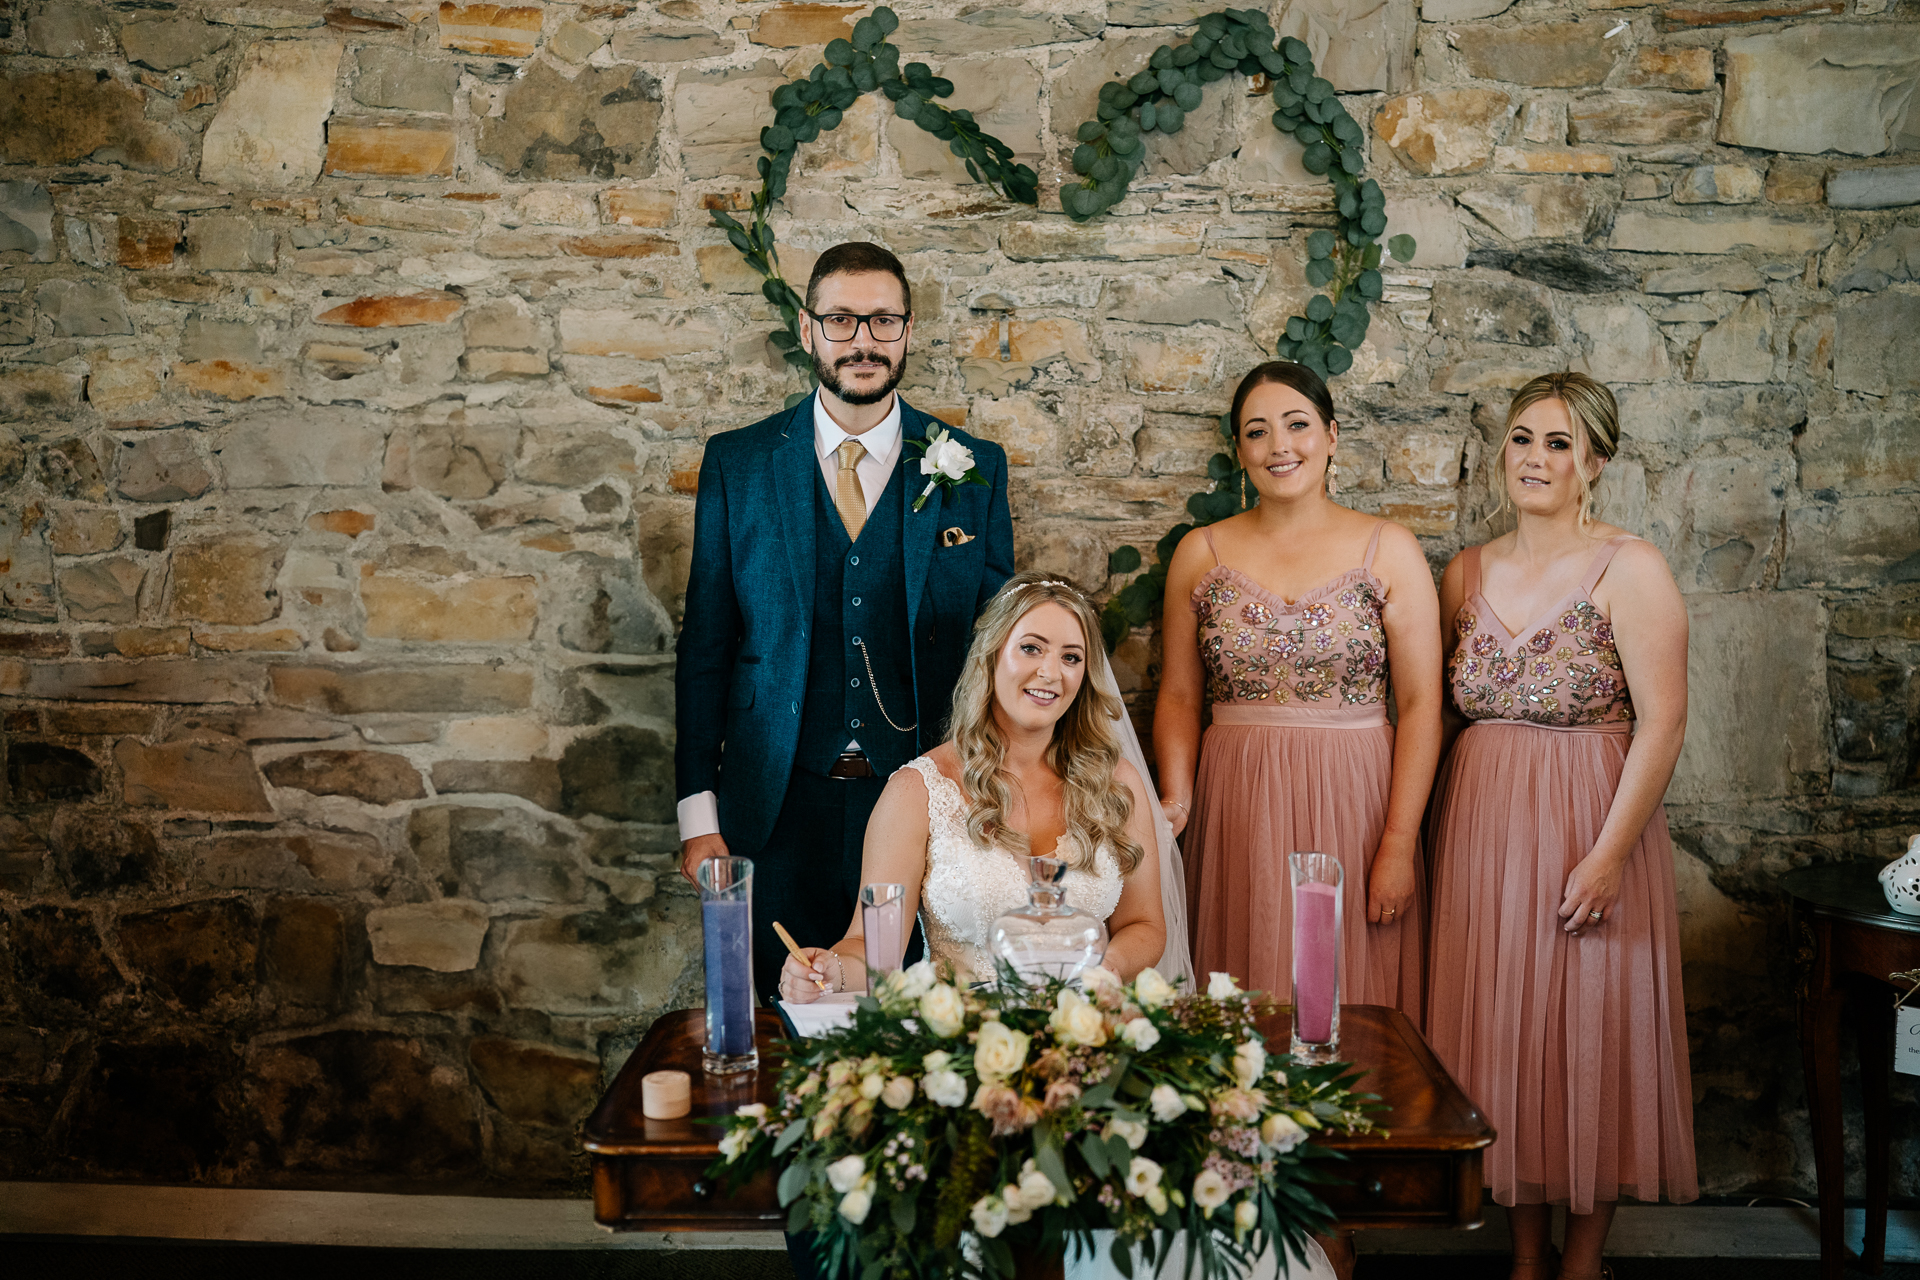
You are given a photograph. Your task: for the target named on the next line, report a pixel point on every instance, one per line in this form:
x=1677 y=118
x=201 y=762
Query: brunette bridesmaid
x=1555 y=996
x=1287 y=622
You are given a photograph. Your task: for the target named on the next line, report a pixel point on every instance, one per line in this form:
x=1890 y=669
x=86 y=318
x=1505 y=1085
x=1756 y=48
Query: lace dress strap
x=1602 y=560
x=943 y=793
x=1373 y=545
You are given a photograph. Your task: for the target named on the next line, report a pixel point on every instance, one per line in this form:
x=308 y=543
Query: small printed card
x=1906 y=1041
x=828 y=1013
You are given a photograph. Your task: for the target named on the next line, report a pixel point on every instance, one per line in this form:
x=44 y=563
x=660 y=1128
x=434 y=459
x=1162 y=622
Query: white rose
x=844 y=1174
x=1101 y=978
x=913 y=982
x=936 y=1061
x=1152 y=990
x=1141 y=1034
x=1018 y=1210
x=1209 y=1190
x=1077 y=1021
x=756 y=1111
x=946 y=456
x=899 y=1093
x=1143 y=1175
x=1167 y=1103
x=1036 y=1188
x=1249 y=1060
x=1134 y=1131
x=946 y=1088
x=1221 y=986
x=855 y=1205
x=872 y=1086
x=943 y=1010
x=1000 y=1052
x=735 y=1142
x=1281 y=1133
x=989 y=1216
x=1246 y=1215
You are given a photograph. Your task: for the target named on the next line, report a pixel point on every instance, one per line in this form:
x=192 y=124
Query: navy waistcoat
x=859 y=594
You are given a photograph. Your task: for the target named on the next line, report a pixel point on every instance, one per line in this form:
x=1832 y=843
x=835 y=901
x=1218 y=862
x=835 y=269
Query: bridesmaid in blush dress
x=1555 y=997
x=1287 y=620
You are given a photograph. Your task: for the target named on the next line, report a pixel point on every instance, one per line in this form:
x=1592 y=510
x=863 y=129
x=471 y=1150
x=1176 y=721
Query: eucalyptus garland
x=1344 y=260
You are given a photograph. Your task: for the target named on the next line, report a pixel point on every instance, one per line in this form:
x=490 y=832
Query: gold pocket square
x=954 y=537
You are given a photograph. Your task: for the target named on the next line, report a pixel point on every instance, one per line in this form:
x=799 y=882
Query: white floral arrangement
x=946 y=1129
x=949 y=462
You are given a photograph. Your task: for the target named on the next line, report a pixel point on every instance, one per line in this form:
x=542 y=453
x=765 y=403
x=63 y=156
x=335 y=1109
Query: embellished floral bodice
x=1561 y=670
x=1326 y=649
x=969 y=886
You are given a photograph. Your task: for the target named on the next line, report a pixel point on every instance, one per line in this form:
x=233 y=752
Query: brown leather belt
x=853 y=764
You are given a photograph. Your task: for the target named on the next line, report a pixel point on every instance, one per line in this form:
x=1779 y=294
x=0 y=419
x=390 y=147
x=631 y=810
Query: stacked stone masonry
x=355 y=365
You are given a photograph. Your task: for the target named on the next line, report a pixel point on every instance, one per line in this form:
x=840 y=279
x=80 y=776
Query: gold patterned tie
x=849 y=499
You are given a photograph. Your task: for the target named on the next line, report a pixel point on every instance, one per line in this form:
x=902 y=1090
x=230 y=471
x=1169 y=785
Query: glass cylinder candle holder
x=883 y=924
x=726 y=918
x=1317 y=893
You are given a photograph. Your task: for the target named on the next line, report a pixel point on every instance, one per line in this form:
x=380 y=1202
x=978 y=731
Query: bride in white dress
x=1037 y=764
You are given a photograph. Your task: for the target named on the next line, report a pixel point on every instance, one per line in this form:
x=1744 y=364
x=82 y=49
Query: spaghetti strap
x=1602 y=560
x=1373 y=545
x=1470 y=561
x=1208 y=535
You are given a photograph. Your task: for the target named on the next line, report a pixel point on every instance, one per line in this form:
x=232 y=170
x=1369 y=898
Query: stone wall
x=355 y=364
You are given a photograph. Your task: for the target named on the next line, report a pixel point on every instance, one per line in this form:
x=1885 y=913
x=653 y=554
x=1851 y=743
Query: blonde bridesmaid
x=1555 y=996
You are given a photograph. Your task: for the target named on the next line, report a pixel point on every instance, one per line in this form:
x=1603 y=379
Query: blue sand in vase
x=729 y=955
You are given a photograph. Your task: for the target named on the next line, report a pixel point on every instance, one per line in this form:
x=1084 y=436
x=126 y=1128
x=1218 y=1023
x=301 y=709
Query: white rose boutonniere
x=949 y=462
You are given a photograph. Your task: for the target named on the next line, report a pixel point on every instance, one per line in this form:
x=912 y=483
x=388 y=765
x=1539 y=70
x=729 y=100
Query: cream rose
x=943 y=1011
x=945 y=1088
x=1209 y=1190
x=1249 y=1060
x=1142 y=1176
x=1246 y=1215
x=1076 y=1021
x=1221 y=986
x=1152 y=990
x=1134 y=1131
x=1036 y=1188
x=1140 y=1034
x=1281 y=1133
x=1000 y=1052
x=855 y=1205
x=1167 y=1103
x=899 y=1093
x=989 y=1216
x=844 y=1174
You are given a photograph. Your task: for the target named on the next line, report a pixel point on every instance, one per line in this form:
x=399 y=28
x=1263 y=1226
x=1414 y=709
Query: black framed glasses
x=882 y=326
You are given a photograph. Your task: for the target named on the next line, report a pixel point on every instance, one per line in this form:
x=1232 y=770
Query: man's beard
x=830 y=377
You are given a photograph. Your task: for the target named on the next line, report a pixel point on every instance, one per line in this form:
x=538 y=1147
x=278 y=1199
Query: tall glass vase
x=726 y=918
x=883 y=922
x=1317 y=893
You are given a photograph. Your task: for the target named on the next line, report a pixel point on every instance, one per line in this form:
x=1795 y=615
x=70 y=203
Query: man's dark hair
x=852 y=258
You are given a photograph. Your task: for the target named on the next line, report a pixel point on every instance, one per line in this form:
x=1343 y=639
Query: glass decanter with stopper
x=1047 y=938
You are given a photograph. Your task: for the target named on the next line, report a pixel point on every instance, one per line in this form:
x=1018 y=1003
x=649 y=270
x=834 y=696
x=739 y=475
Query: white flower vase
x=1900 y=880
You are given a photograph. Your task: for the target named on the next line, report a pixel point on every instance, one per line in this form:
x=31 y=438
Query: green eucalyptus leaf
x=1187 y=96
x=1144 y=82
x=1162 y=58
x=1353 y=162
x=1319 y=308
x=1287 y=349
x=1339 y=360
x=1402 y=247
x=1170 y=79
x=793 y=1181
x=865 y=79
x=1347 y=330
x=866 y=34
x=1107 y=169
x=1122 y=131
x=1220 y=466
x=1185 y=56
x=1320 y=244
x=1149 y=117
x=839 y=52
x=1299 y=78
x=1320 y=272
x=1091 y=131
x=1345 y=128
x=1213 y=25
x=1371 y=258
x=889 y=23
x=1297 y=328
x=1085 y=156
x=1172 y=118
x=1295 y=50
x=1370 y=285
x=1123 y=560
x=828 y=119
x=1349 y=204
x=807 y=132
x=1209 y=72
x=1319 y=89
x=1317 y=158
x=1373 y=222
x=1272 y=63
x=776 y=138
x=1223 y=60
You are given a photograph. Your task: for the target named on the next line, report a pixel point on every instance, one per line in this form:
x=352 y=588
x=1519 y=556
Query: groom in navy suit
x=826 y=620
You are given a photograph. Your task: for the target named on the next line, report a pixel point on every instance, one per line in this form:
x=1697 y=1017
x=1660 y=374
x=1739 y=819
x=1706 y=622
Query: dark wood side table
x=650 y=1175
x=1849 y=940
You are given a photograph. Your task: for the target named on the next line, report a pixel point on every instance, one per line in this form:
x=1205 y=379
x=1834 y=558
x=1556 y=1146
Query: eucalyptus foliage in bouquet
x=946 y=1127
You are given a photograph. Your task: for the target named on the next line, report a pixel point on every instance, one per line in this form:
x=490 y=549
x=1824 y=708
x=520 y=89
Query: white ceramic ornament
x=1900 y=880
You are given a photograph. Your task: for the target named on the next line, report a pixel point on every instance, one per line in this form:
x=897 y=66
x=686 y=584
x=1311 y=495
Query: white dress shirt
x=699 y=814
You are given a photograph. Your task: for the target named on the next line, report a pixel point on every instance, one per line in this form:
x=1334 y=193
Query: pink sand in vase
x=1316 y=960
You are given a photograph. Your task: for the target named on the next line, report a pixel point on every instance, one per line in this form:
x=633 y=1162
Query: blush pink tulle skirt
x=1273 y=781
x=1575 y=1047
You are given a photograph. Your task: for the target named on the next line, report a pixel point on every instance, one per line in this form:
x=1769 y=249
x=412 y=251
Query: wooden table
x=649 y=1175
x=1849 y=941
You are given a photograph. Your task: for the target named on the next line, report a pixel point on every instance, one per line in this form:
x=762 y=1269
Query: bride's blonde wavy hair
x=1085 y=751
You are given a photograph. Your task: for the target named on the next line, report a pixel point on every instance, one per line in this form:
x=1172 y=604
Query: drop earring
x=1333 y=472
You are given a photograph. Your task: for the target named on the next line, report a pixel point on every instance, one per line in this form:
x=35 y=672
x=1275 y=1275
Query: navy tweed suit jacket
x=743 y=650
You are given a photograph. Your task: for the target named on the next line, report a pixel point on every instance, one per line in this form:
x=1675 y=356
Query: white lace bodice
x=967 y=886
